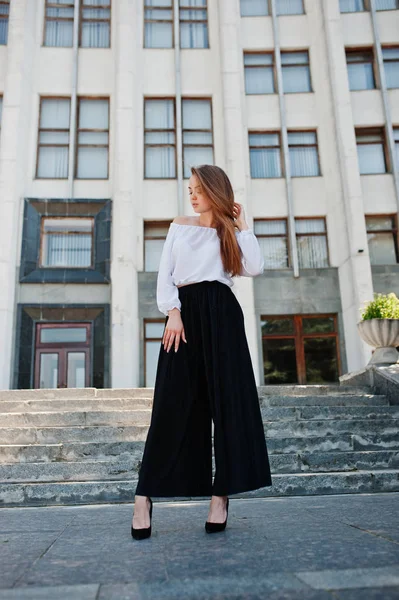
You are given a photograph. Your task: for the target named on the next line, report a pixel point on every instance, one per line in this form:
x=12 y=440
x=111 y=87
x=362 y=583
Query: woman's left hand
x=239 y=216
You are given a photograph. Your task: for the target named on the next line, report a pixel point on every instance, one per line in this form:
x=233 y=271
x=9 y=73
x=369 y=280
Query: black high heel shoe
x=214 y=527
x=143 y=532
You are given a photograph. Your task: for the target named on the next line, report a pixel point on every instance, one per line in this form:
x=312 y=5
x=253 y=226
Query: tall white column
x=17 y=102
x=126 y=191
x=237 y=149
x=354 y=268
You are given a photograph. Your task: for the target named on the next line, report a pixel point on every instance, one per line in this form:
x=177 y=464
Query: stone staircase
x=83 y=446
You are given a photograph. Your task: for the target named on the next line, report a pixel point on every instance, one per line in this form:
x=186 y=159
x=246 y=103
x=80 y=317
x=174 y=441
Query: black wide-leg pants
x=209 y=378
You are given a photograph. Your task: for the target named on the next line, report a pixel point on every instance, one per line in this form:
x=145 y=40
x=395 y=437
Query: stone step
x=143 y=416
x=126 y=468
x=82 y=451
x=105 y=433
x=76 y=418
x=312 y=390
x=334 y=400
x=307 y=413
x=54 y=435
x=325 y=427
x=76 y=404
x=295 y=484
x=111 y=393
x=98 y=404
x=73 y=393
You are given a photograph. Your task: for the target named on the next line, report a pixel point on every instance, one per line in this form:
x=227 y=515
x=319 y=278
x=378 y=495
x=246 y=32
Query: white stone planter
x=383 y=335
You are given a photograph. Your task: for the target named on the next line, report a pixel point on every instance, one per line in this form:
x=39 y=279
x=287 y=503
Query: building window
x=391 y=66
x=254 y=8
x=311 y=239
x=92 y=138
x=159 y=139
x=53 y=139
x=360 y=70
x=396 y=139
x=154 y=238
x=4 y=14
x=382 y=236
x=95 y=23
x=153 y=333
x=386 y=4
x=289 y=7
x=193 y=24
x=300 y=349
x=273 y=241
x=296 y=72
x=265 y=154
x=303 y=153
x=259 y=73
x=371 y=150
x=348 y=6
x=59 y=23
x=66 y=242
x=197 y=134
x=158 y=24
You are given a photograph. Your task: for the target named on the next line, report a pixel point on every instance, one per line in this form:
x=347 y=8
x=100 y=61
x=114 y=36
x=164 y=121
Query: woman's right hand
x=174 y=330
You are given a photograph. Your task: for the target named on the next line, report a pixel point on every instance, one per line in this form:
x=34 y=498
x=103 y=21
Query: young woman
x=204 y=377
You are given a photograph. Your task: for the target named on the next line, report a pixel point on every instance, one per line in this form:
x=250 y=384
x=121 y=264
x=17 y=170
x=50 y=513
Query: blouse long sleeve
x=167 y=292
x=252 y=258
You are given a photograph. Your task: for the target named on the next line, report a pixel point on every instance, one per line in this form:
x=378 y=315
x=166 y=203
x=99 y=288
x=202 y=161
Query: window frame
x=316 y=144
x=148 y=130
x=272 y=67
x=367 y=8
x=150 y=223
x=46 y=18
x=184 y=130
x=389 y=60
x=297 y=51
x=82 y=7
x=195 y=21
x=5 y=17
x=34 y=209
x=354 y=12
x=38 y=144
x=313 y=234
x=277 y=15
x=279 y=235
x=78 y=130
x=171 y=21
x=373 y=131
x=280 y=147
x=299 y=336
x=292 y=14
x=43 y=234
x=387 y=9
x=360 y=50
x=393 y=230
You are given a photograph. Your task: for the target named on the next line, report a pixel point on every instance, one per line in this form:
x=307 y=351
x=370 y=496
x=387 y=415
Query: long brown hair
x=219 y=191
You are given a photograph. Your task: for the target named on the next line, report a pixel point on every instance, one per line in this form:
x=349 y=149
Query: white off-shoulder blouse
x=191 y=253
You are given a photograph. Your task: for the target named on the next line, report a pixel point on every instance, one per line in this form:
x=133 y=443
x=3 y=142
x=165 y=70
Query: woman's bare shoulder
x=185 y=220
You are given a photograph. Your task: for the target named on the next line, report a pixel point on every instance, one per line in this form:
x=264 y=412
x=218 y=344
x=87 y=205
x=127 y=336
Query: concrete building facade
x=106 y=104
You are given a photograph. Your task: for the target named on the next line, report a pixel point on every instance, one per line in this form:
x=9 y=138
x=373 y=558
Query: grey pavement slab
x=294 y=548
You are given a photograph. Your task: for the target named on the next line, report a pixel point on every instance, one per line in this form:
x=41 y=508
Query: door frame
x=298 y=336
x=62 y=350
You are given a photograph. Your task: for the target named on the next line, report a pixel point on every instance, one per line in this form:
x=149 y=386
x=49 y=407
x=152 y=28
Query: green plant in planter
x=384 y=306
x=379 y=327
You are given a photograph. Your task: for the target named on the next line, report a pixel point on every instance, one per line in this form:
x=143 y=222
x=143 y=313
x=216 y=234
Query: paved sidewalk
x=343 y=547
